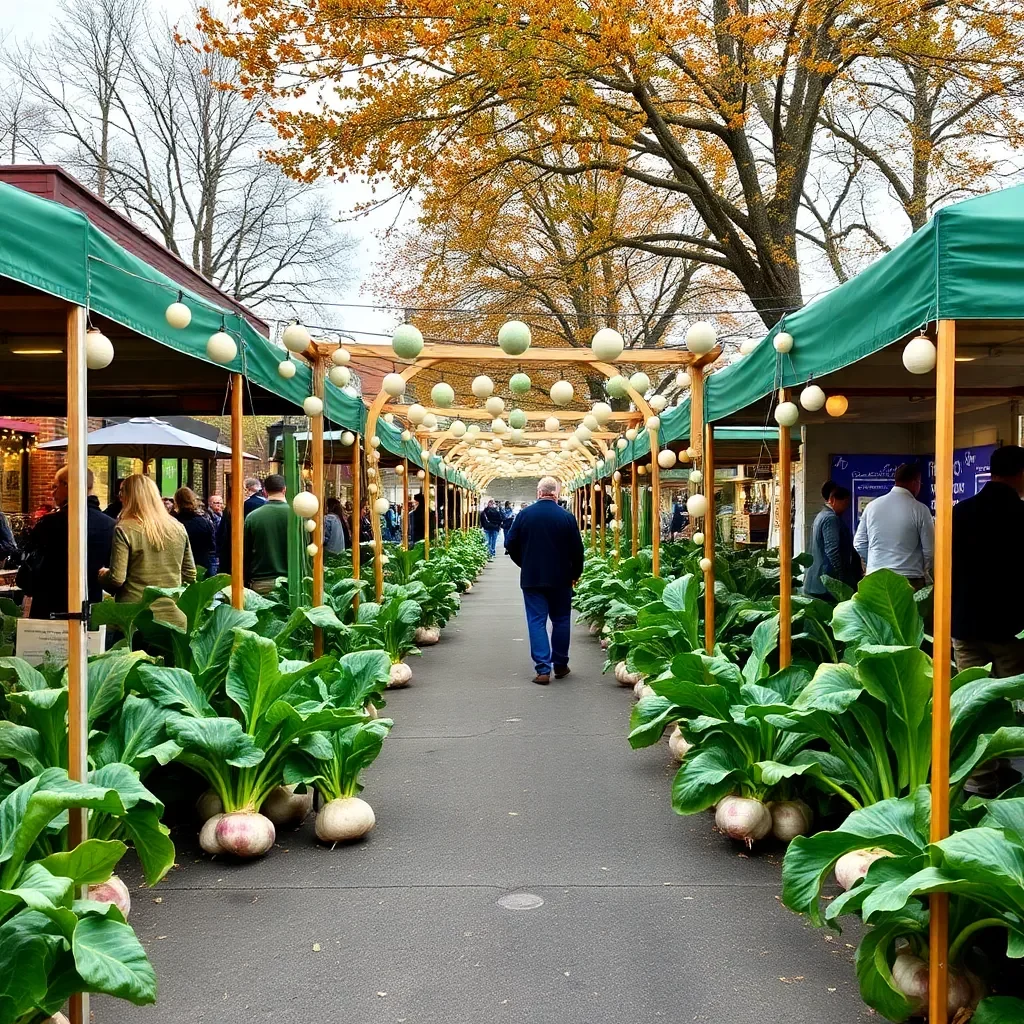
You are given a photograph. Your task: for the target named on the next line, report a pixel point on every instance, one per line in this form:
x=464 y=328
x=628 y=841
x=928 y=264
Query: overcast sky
x=36 y=18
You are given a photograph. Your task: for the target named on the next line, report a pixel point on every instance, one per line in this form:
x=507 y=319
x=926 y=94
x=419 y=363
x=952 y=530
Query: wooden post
x=617 y=502
x=945 y=392
x=78 y=676
x=708 y=462
x=785 y=542
x=357 y=503
x=317 y=424
x=634 y=504
x=652 y=433
x=426 y=510
x=237 y=495
x=405 y=504
x=696 y=374
x=593 y=514
x=604 y=518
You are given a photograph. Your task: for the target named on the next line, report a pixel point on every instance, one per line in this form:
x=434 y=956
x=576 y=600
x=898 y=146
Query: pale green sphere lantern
x=407 y=342
x=442 y=394
x=514 y=338
x=617 y=386
x=519 y=383
x=517 y=419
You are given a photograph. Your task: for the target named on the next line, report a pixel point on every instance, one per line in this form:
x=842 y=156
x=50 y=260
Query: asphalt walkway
x=490 y=787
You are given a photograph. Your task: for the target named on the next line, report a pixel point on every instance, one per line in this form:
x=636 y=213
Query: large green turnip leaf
x=175 y=688
x=883 y=611
x=110 y=959
x=999 y=1010
x=707 y=776
x=89 y=863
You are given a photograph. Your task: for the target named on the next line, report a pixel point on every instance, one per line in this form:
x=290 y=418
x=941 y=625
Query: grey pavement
x=490 y=786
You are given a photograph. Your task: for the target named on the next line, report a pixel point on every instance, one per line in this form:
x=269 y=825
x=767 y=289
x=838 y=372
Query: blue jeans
x=492 y=541
x=541 y=605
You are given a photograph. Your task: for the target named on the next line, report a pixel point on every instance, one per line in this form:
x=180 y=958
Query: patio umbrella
x=146 y=437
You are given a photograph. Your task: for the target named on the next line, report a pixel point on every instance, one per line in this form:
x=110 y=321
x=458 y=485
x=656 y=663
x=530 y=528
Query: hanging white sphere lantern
x=430 y=421
x=631 y=434
x=339 y=376
x=407 y=341
x=305 y=504
x=415 y=414
x=514 y=338
x=399 y=470
x=442 y=394
x=312 y=406
x=666 y=458
x=519 y=384
x=783 y=342
x=220 y=347
x=341 y=356
x=747 y=345
x=836 y=405
x=705 y=564
x=621 y=444
x=564 y=445
x=697 y=506
x=590 y=421
x=607 y=345
x=393 y=384
x=472 y=429
x=617 y=386
x=482 y=386
x=698 y=539
x=348 y=438
x=350 y=391
x=641 y=471
x=296 y=338
x=552 y=424
x=640 y=382
x=583 y=432
x=375 y=441
x=658 y=403
x=371 y=488
x=99 y=352
x=457 y=428
x=371 y=472
x=517 y=419
x=309 y=525
x=691 y=453
x=381 y=505
x=919 y=355
x=178 y=315
x=701 y=338
x=421 y=474
x=653 y=422
x=311 y=550
x=424 y=454
x=561 y=392
x=602 y=412
x=696 y=476
x=616 y=477
x=812 y=398
x=407 y=435
x=286 y=369
x=498 y=426
x=786 y=414
x=494 y=405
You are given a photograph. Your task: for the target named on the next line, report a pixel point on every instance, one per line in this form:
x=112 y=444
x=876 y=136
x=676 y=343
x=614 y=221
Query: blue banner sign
x=868 y=476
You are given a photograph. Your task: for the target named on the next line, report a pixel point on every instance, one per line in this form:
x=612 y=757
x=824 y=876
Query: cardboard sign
x=40 y=640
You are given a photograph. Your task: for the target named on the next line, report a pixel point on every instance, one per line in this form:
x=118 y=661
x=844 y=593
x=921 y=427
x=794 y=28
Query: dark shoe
x=561 y=671
x=542 y=678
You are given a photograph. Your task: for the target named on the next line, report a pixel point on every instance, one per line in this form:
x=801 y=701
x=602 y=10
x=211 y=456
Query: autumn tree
x=715 y=102
x=141 y=119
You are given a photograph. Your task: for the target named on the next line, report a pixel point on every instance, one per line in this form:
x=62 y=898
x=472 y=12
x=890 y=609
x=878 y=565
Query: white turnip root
x=594 y=628
x=208 y=835
x=469 y=587
x=624 y=677
x=427 y=635
x=400 y=676
x=854 y=865
x=344 y=819
x=604 y=643
x=57 y=1018
x=371 y=709
x=743 y=818
x=245 y=834
x=678 y=744
x=208 y=805
x=643 y=690
x=286 y=808
x=790 y=818
x=113 y=890
x=911 y=976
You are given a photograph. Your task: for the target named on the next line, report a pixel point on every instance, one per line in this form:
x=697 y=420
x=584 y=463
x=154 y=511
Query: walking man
x=508 y=517
x=988 y=566
x=896 y=530
x=832 y=545
x=266 y=538
x=492 y=520
x=545 y=543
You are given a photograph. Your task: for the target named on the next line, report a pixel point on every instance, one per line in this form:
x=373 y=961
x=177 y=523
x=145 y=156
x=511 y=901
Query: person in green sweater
x=266 y=538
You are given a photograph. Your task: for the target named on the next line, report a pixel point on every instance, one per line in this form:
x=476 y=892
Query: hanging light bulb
x=812 y=398
x=296 y=338
x=286 y=369
x=221 y=347
x=99 y=352
x=836 y=405
x=177 y=314
x=701 y=338
x=339 y=376
x=919 y=356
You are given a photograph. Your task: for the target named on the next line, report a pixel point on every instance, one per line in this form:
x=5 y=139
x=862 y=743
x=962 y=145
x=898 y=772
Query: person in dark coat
x=44 y=571
x=988 y=566
x=508 y=514
x=832 y=545
x=200 y=531
x=417 y=519
x=545 y=543
x=491 y=521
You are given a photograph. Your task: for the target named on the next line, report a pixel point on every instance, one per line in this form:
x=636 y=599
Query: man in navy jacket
x=545 y=543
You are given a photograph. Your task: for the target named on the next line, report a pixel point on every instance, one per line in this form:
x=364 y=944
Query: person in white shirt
x=896 y=530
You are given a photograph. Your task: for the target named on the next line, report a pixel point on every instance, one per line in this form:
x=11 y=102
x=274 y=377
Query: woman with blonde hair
x=150 y=549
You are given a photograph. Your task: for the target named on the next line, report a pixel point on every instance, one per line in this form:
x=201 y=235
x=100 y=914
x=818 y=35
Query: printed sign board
x=39 y=640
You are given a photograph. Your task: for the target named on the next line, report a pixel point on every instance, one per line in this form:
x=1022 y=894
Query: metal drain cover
x=520 y=901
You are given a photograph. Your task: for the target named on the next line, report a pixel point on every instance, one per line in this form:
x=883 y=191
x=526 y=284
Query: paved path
x=491 y=786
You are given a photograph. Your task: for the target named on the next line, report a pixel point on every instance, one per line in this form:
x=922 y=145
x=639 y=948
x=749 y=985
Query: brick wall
x=42 y=464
